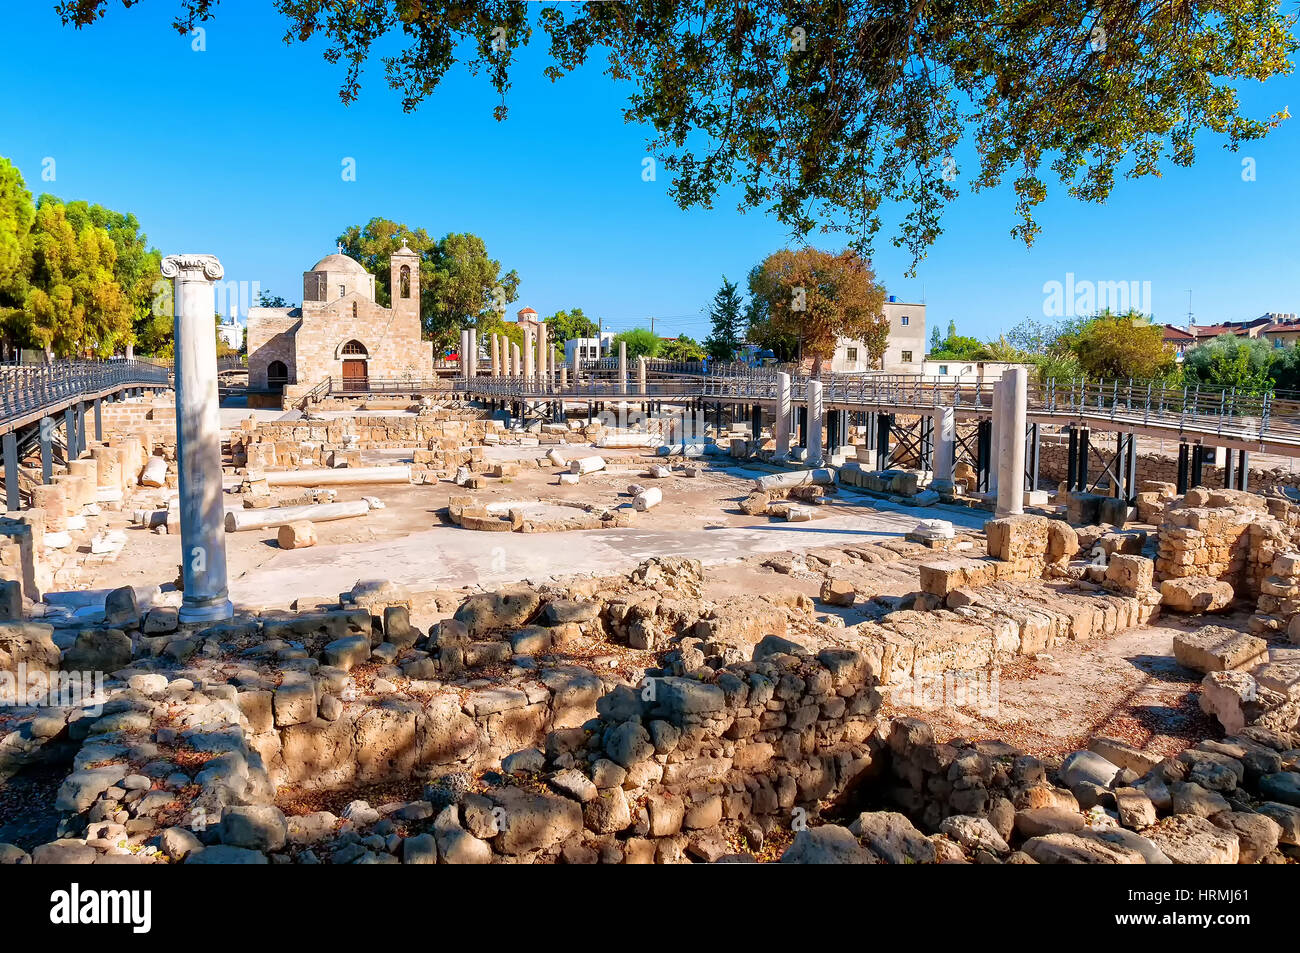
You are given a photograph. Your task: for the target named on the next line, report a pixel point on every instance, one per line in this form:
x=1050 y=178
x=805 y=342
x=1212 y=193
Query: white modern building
x=232 y=334
x=587 y=349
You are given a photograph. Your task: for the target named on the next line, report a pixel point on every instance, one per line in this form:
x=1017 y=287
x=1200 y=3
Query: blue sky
x=238 y=150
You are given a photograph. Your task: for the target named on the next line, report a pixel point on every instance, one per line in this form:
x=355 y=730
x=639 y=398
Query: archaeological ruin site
x=627 y=612
x=841 y=443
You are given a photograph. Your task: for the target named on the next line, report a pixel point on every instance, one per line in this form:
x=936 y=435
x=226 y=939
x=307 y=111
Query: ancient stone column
x=641 y=375
x=815 y=418
x=622 y=367
x=995 y=438
x=543 y=363
x=464 y=354
x=496 y=355
x=529 y=354
x=514 y=359
x=784 y=408
x=945 y=437
x=1010 y=410
x=198 y=439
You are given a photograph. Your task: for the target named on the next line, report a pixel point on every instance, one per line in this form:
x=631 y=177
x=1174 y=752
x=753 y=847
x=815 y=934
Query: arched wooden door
x=356 y=377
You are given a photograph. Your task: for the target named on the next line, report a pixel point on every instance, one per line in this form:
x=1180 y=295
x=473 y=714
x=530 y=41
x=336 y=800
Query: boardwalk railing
x=28 y=389
x=1111 y=405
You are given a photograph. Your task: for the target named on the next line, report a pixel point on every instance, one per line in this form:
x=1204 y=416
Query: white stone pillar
x=816 y=412
x=641 y=376
x=543 y=363
x=529 y=353
x=995 y=441
x=945 y=439
x=198 y=439
x=464 y=354
x=784 y=410
x=1011 y=410
x=622 y=367
x=473 y=353
x=514 y=359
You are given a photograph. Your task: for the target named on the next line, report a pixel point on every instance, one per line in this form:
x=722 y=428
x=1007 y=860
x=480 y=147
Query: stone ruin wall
x=101 y=479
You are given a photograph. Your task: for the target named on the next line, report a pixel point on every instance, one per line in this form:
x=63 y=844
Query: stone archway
x=356 y=370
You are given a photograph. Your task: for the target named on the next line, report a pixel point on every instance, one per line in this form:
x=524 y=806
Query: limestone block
x=1216 y=649
x=1195 y=594
x=296 y=535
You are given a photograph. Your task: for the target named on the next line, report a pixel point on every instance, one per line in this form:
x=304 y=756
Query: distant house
x=967 y=371
x=587 y=349
x=1284 y=331
x=1242 y=329
x=232 y=334
x=904 y=352
x=1179 y=339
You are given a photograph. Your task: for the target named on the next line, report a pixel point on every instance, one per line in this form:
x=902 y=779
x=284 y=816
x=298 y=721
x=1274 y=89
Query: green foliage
x=460 y=285
x=1122 y=347
x=727 y=324
x=825 y=114
x=75 y=278
x=682 y=348
x=956 y=347
x=266 y=298
x=1248 y=365
x=567 y=325
x=641 y=342
x=821 y=297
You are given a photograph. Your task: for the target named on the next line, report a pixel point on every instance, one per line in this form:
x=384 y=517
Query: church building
x=340 y=331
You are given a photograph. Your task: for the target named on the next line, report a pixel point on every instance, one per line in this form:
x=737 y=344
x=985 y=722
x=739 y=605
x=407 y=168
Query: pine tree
x=725 y=314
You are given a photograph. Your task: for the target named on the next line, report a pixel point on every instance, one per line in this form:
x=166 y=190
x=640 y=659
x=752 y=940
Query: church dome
x=339 y=264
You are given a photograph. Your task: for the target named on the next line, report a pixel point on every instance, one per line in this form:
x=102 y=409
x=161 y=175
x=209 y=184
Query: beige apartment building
x=904 y=352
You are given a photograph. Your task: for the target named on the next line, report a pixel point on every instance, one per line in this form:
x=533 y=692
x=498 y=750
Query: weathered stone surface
x=829 y=844
x=893 y=838
x=628 y=744
x=1135 y=809
x=1087 y=767
x=1195 y=594
x=1225 y=695
x=300 y=534
x=1216 y=649
x=80 y=788
x=1079 y=848
x=348 y=652
x=98 y=650
x=838 y=592
x=121 y=610
x=1187 y=839
x=573 y=783
x=1039 y=821
x=508 y=608
x=30 y=644
x=1257 y=834
x=1287 y=818
x=1283 y=787
x=607 y=812
x=257 y=827
x=974 y=833
x=532 y=821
